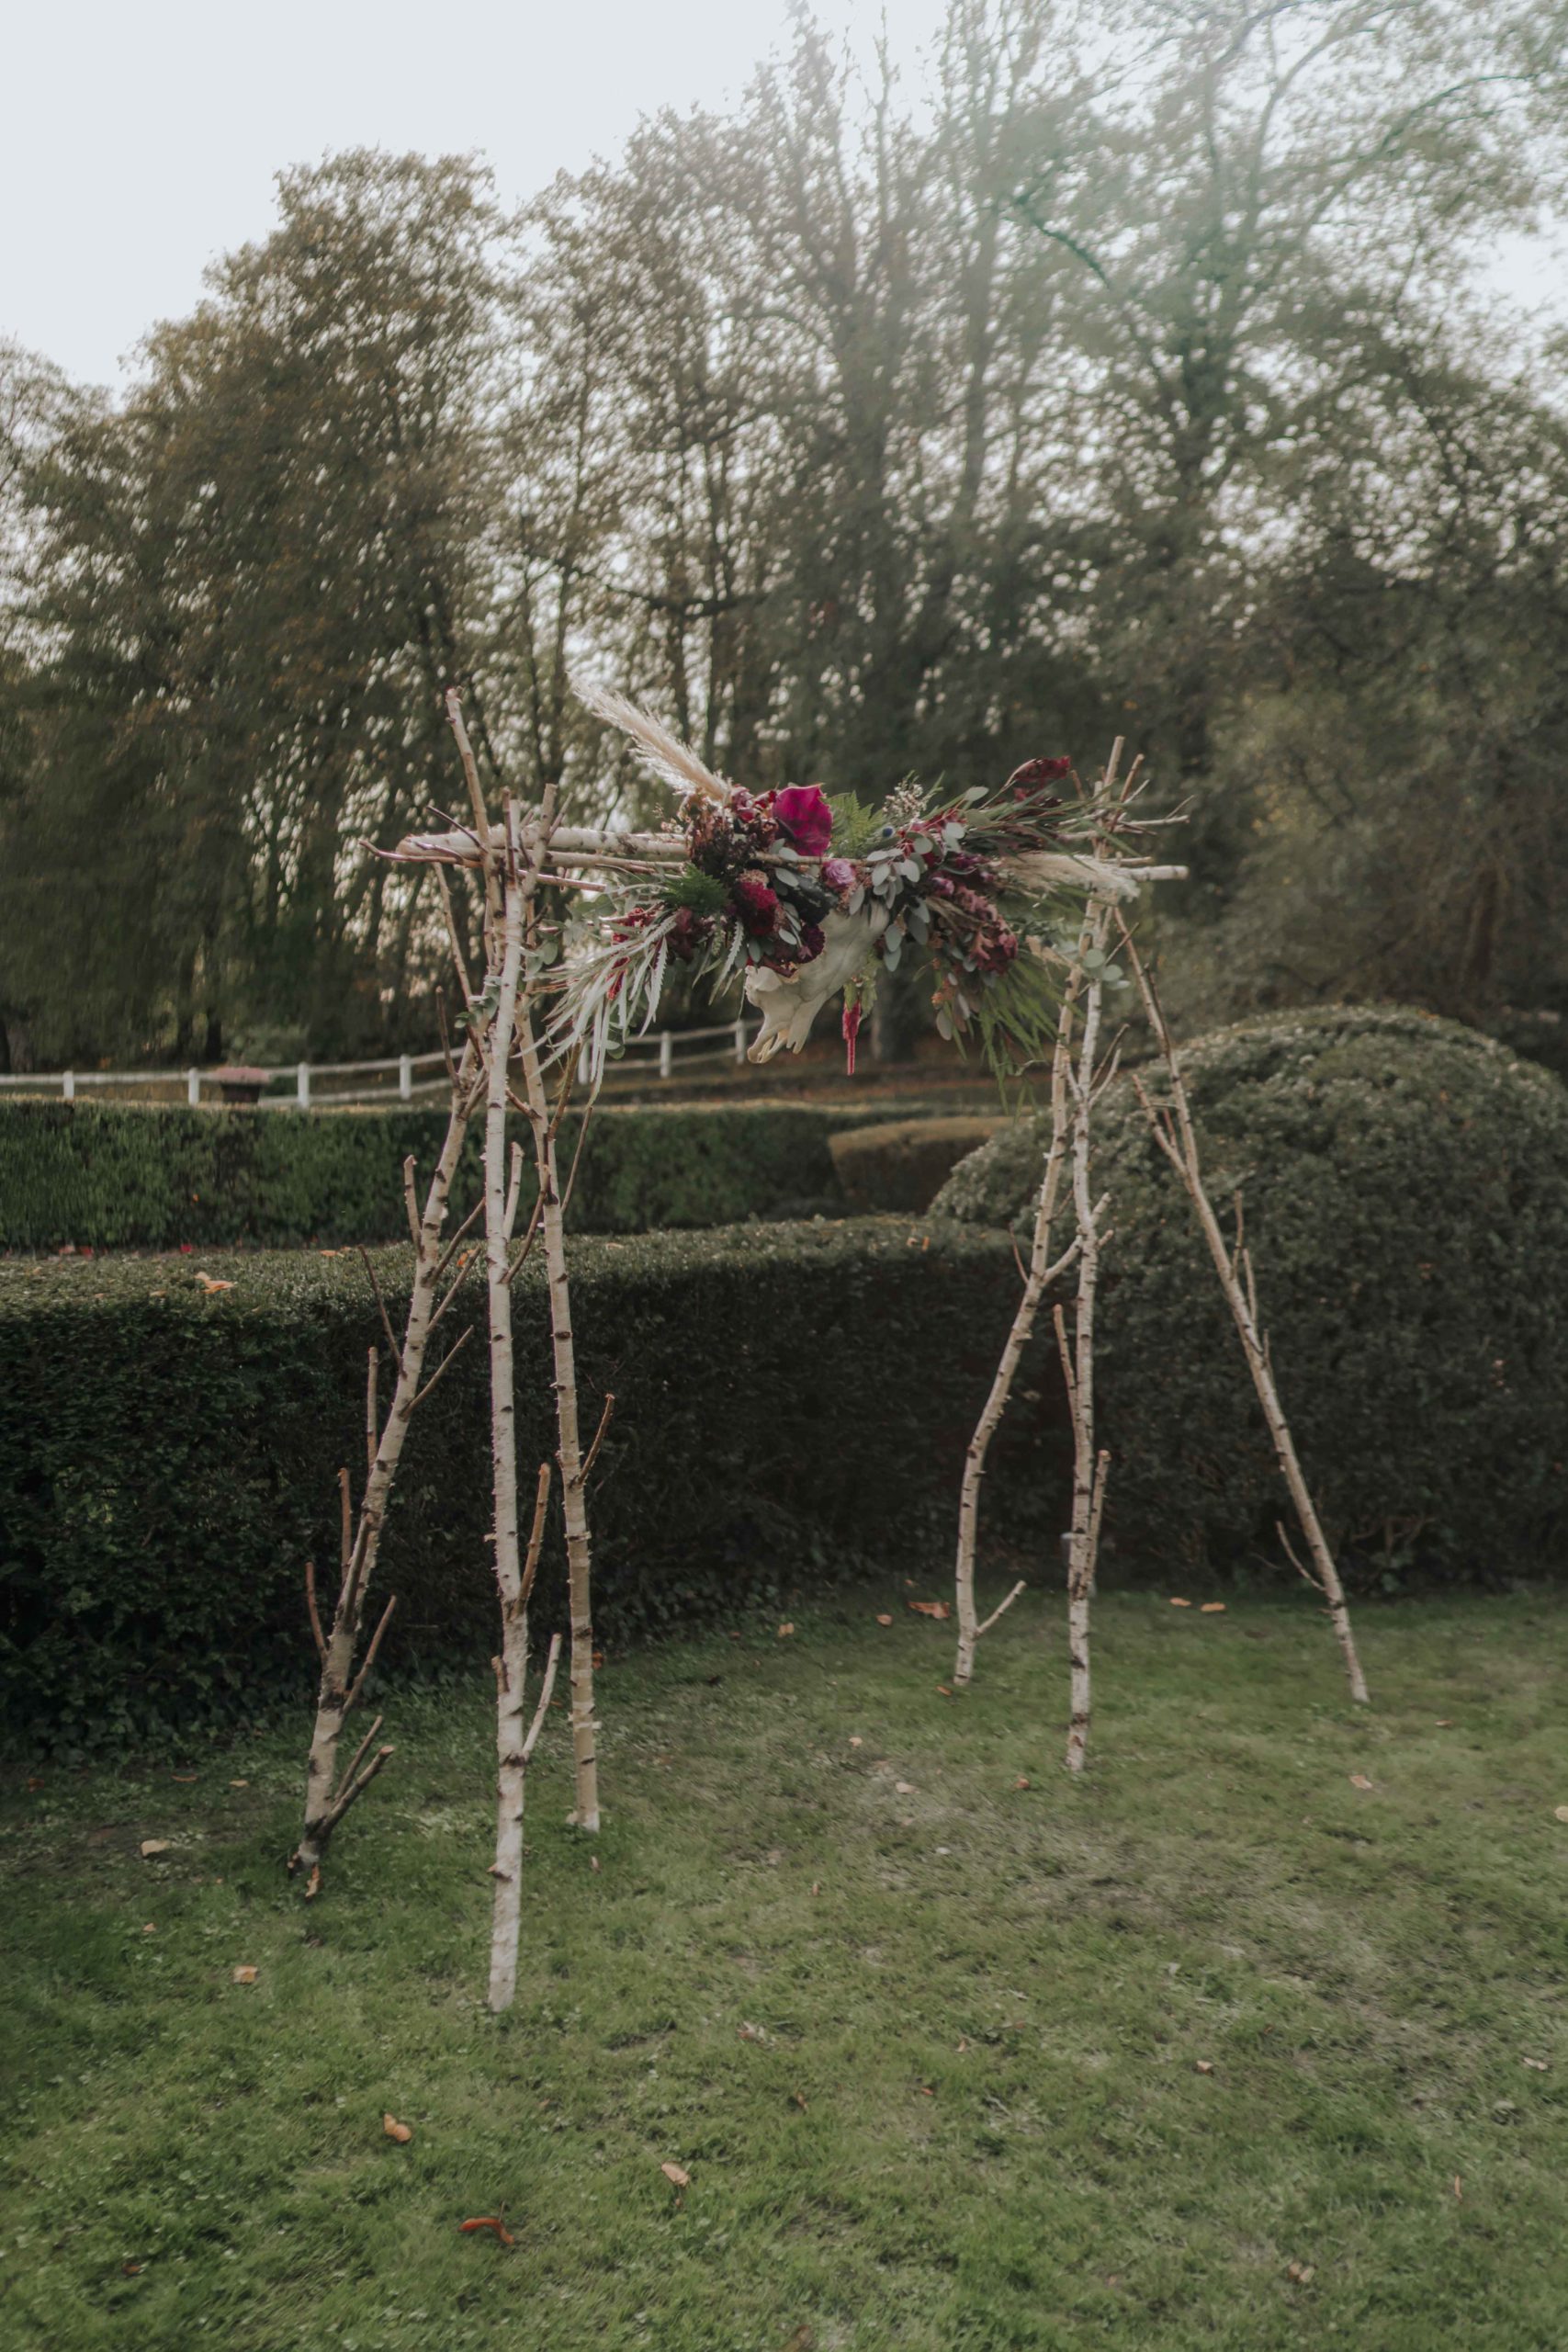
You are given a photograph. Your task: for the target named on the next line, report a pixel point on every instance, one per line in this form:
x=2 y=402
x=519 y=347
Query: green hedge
x=1406 y=1196
x=788 y=1397
x=113 y=1175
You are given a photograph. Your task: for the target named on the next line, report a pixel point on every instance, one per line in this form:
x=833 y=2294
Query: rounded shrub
x=1405 y=1183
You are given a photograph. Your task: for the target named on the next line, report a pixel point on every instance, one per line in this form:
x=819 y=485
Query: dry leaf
x=1213 y=1609
x=926 y=2091
x=945 y=1689
x=1203 y=2065
x=151 y=1930
x=1445 y=1723
x=674 y=2174
x=803 y=2339
x=1021 y=1783
x=209 y=1284
x=931 y=1608
x=1560 y=1812
x=1180 y=1604
x=904 y=1788
x=314 y=1884
x=593 y=1861
x=1302 y=2272
x=245 y=1975
x=239 y=1784
x=487 y=2222
x=885 y=1621
x=1360 y=1781
x=1459 y=2187
x=1537 y=2065
x=402 y=2133
x=815 y=1886
x=855 y=1740
x=751 y=2033
x=132 y=2269
x=785 y=1630
x=598 y=1661
x=186 y=1777
x=151 y=1845
x=797 y=2099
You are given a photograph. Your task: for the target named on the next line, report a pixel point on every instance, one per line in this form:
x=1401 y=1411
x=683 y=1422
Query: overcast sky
x=141 y=136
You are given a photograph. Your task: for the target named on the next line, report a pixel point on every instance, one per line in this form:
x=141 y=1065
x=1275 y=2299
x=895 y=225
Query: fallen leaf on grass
x=1203 y=2065
x=926 y=2091
x=132 y=2269
x=1176 y=1603
x=797 y=2099
x=210 y=1284
x=186 y=1777
x=803 y=2339
x=1213 y=1609
x=931 y=1608
x=1360 y=1781
x=885 y=1621
x=1445 y=1723
x=487 y=2222
x=855 y=1740
x=151 y=1845
x=1537 y=2065
x=1302 y=2272
x=151 y=1930
x=785 y=1630
x=904 y=1788
x=815 y=1886
x=945 y=1689
x=239 y=1784
x=245 y=1975
x=1021 y=1783
x=314 y=1884
x=748 y=2033
x=1560 y=1812
x=593 y=1861
x=598 y=1661
x=402 y=2133
x=677 y=2177
x=1459 y=2187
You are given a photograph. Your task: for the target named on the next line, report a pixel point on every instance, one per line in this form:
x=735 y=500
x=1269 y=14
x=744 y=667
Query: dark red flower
x=757 y=905
x=811 y=943
x=687 y=933
x=802 y=809
x=1034 y=774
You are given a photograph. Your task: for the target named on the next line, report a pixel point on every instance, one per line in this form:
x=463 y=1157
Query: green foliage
x=1405 y=1188
x=930 y=2056
x=113 y=1175
x=168 y=1454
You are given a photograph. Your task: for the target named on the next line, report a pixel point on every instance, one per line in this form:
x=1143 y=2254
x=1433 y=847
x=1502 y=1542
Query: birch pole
x=551 y=1213
x=1091 y=1467
x=1179 y=1142
x=574 y=1465
x=1042 y=1273
x=329 y=1793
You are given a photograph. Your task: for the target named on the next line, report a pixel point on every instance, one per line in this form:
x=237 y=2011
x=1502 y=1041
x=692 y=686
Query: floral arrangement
x=807 y=895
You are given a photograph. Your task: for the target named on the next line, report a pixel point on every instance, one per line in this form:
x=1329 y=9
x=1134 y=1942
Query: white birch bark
x=1179 y=1142
x=329 y=1793
x=1090 y=1466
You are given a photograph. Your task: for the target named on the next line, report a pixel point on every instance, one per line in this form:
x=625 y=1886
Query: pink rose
x=802 y=809
x=837 y=876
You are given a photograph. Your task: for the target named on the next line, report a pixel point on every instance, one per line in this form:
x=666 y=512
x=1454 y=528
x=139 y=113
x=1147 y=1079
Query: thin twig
x=385 y=1318
x=315 y=1612
x=535 y=1537
x=358 y=1683
x=453 y=1352
x=542 y=1710
x=348 y=1777
x=1001 y=1608
x=1294 y=1557
x=591 y=1455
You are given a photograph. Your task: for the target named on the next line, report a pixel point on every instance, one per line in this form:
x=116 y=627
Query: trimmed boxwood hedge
x=116 y=1175
x=788 y=1397
x=1406 y=1197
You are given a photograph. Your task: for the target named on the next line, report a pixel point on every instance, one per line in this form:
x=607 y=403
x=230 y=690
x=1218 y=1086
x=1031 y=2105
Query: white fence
x=656 y=1050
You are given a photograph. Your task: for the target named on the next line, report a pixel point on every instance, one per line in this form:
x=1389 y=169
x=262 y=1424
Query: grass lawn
x=950 y=2061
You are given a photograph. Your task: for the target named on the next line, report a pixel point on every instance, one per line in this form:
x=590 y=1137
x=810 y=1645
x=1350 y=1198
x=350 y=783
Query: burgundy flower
x=687 y=934
x=802 y=809
x=837 y=876
x=757 y=905
x=811 y=943
x=1034 y=774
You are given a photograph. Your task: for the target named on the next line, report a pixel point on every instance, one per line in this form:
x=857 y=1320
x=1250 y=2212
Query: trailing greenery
x=1189 y=2057
x=112 y=1175
x=1405 y=1188
x=169 y=1452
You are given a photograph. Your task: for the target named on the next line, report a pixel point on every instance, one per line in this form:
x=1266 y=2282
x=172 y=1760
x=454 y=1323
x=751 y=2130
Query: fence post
x=193 y=1088
x=666 y=1054
x=68 y=1085
x=405 y=1078
x=740 y=1039
x=302 y=1085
